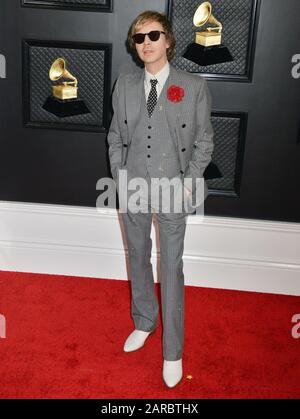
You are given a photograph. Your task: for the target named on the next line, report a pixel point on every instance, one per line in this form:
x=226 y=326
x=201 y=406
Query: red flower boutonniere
x=175 y=93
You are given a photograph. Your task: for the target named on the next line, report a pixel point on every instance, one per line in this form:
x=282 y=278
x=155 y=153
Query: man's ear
x=168 y=43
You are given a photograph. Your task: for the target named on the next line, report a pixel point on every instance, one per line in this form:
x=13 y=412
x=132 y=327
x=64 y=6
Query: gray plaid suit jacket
x=189 y=121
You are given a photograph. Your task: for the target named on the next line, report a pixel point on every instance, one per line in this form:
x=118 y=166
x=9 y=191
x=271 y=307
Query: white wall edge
x=220 y=252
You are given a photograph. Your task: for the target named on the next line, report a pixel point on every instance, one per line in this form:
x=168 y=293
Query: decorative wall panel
x=239 y=19
x=229 y=139
x=90 y=63
x=87 y=5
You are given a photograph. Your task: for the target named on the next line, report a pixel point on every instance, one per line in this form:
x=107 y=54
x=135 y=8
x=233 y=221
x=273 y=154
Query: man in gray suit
x=160 y=129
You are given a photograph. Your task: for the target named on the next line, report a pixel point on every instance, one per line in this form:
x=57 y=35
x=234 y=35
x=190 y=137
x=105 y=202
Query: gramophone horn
x=204 y=14
x=58 y=70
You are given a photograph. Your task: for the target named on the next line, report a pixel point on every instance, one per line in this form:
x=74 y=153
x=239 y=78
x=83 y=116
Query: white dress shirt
x=161 y=77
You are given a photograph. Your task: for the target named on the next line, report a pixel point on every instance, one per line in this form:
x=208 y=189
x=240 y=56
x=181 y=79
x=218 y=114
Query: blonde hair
x=153 y=16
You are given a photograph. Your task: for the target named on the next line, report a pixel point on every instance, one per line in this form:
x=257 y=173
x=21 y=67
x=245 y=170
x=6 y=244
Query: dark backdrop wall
x=256 y=119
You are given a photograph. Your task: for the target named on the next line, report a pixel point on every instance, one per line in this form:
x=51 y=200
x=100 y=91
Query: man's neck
x=154 y=68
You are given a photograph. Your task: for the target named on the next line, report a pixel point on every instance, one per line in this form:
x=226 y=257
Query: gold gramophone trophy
x=207 y=48
x=64 y=101
x=68 y=89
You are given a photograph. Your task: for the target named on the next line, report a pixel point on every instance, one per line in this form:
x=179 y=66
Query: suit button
x=148 y=155
x=181 y=171
x=124 y=145
x=125 y=121
x=183 y=149
x=149 y=136
x=149 y=127
x=183 y=125
x=149 y=146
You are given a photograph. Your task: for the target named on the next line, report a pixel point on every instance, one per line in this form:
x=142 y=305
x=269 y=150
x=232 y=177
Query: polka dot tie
x=152 y=98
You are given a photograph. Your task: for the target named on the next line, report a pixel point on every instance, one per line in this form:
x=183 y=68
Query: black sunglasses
x=139 y=38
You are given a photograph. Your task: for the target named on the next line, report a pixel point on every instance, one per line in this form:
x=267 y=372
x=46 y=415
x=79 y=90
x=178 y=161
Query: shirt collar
x=161 y=76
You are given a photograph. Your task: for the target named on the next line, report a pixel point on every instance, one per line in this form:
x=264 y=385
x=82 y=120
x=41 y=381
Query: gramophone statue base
x=212 y=171
x=207 y=55
x=63 y=108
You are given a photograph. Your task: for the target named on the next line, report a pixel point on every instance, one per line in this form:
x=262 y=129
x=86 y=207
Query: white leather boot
x=172 y=372
x=136 y=340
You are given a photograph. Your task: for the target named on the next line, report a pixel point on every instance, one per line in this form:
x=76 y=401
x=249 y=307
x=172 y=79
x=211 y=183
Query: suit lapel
x=172 y=109
x=134 y=89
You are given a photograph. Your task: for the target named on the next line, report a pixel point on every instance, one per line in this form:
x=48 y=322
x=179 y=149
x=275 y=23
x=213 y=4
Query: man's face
x=152 y=51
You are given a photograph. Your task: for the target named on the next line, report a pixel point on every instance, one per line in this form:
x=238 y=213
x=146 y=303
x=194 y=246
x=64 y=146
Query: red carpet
x=64 y=339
